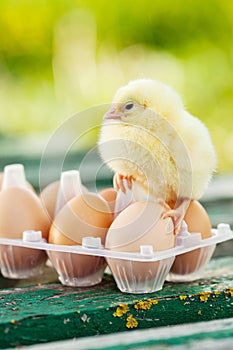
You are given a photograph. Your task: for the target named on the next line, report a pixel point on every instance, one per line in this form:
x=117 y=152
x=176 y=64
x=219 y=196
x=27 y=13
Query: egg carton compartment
x=19 y=262
x=139 y=277
x=138 y=272
x=188 y=266
x=78 y=270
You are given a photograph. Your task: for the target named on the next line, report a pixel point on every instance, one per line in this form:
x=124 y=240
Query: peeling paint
x=84 y=318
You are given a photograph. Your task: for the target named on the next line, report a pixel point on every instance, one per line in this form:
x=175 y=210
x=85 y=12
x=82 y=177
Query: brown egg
x=109 y=194
x=1 y=179
x=197 y=220
x=140 y=224
x=56 y=237
x=28 y=185
x=87 y=215
x=19 y=262
x=21 y=210
x=48 y=198
x=76 y=269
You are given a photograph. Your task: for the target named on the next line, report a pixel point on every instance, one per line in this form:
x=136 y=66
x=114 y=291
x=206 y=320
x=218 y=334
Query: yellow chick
x=148 y=138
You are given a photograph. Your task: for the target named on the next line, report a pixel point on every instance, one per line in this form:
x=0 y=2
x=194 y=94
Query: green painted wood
x=210 y=335
x=48 y=312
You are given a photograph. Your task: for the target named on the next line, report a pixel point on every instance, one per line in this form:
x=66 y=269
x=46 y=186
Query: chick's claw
x=119 y=182
x=163 y=204
x=176 y=217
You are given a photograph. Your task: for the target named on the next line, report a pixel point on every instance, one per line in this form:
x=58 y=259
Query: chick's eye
x=129 y=105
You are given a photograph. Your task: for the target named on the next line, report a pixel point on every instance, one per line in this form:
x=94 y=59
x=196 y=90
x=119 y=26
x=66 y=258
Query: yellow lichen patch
x=131 y=322
x=216 y=292
x=204 y=296
x=183 y=297
x=230 y=291
x=121 y=310
x=145 y=304
x=199 y=312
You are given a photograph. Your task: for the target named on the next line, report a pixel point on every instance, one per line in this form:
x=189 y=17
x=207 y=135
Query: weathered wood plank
x=50 y=312
x=217 y=334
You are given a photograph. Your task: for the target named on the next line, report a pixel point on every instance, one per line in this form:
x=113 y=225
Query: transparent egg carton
x=77 y=270
x=18 y=261
x=84 y=265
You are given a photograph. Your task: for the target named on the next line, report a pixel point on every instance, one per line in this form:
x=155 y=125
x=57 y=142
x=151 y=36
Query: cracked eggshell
x=86 y=215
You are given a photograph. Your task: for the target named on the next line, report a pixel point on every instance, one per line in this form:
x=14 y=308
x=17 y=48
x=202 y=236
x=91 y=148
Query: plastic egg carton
x=84 y=265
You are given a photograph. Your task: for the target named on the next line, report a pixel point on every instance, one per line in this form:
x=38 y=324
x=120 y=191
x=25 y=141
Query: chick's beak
x=114 y=114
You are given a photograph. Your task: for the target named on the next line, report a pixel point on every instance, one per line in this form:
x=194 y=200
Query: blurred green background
x=59 y=57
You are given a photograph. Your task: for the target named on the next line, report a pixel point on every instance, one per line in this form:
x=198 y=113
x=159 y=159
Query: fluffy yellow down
x=167 y=150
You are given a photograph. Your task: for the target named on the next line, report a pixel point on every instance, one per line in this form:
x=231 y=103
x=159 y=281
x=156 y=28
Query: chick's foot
x=119 y=183
x=176 y=217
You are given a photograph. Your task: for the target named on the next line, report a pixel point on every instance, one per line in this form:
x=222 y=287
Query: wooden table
x=42 y=310
x=211 y=335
